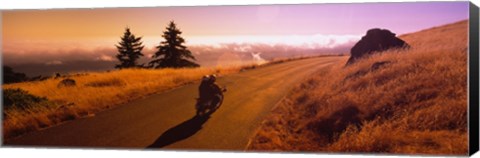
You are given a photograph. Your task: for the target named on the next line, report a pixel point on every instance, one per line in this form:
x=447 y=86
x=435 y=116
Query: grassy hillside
x=415 y=102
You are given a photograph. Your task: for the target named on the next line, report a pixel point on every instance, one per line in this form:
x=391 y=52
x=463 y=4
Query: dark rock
x=67 y=83
x=57 y=75
x=376 y=40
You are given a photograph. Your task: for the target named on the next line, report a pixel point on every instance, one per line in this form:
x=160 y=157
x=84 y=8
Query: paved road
x=167 y=120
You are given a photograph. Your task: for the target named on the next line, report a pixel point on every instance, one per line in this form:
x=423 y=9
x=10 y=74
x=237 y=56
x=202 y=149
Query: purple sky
x=58 y=31
x=353 y=18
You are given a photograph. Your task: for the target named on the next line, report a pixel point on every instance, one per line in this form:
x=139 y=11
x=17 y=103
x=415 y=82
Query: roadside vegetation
x=410 y=101
x=93 y=92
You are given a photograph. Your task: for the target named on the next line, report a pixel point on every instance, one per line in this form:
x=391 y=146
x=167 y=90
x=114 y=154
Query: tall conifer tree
x=172 y=53
x=129 y=50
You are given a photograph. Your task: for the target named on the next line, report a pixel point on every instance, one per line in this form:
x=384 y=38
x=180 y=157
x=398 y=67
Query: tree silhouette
x=172 y=53
x=9 y=76
x=129 y=50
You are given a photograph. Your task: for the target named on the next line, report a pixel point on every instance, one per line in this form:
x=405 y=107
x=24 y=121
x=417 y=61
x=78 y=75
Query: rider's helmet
x=213 y=78
x=205 y=78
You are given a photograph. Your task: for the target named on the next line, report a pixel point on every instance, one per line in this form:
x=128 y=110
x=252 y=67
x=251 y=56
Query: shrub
x=18 y=98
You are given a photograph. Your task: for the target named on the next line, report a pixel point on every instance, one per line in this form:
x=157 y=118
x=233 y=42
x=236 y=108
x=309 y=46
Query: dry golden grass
x=416 y=104
x=95 y=92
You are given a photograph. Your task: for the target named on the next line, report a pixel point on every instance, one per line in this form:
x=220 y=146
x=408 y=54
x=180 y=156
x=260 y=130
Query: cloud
x=54 y=62
x=101 y=59
x=312 y=41
x=257 y=58
x=232 y=51
x=105 y=57
x=64 y=55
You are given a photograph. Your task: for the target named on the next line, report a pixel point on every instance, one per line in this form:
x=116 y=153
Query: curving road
x=166 y=120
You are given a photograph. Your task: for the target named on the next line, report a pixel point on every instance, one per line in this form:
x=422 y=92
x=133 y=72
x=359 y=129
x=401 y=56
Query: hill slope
x=400 y=101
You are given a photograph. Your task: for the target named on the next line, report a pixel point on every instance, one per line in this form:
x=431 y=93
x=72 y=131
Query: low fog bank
x=33 y=70
x=47 y=63
x=232 y=54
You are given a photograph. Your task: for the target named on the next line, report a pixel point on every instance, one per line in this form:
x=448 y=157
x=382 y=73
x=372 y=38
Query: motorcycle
x=208 y=106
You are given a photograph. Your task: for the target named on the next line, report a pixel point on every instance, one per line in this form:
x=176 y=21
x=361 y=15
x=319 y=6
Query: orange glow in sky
x=322 y=25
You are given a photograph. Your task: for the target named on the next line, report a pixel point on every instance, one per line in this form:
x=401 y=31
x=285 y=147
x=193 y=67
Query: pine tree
x=129 y=50
x=172 y=53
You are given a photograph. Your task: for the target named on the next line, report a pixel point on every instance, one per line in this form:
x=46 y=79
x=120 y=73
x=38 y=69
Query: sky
x=31 y=33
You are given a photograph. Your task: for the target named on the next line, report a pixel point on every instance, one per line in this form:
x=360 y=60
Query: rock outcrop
x=376 y=40
x=66 y=83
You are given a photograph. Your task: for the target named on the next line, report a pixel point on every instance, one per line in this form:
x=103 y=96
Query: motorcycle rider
x=211 y=95
x=204 y=88
x=208 y=88
x=215 y=89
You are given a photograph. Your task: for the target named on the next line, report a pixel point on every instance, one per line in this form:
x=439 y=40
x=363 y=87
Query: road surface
x=167 y=120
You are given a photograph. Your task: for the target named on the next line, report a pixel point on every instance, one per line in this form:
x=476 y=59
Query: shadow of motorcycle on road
x=191 y=126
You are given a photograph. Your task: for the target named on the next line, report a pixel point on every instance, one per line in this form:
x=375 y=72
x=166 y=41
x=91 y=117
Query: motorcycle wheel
x=200 y=108
x=218 y=100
